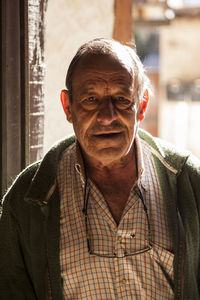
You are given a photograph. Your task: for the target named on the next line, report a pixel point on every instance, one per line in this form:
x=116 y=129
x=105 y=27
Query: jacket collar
x=44 y=181
x=169 y=156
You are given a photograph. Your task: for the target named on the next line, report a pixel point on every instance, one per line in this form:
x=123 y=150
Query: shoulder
x=21 y=183
x=167 y=153
x=39 y=174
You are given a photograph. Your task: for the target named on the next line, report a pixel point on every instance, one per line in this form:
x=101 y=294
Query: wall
x=180 y=58
x=68 y=25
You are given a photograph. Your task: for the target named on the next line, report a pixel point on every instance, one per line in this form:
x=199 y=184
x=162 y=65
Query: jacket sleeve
x=192 y=186
x=15 y=280
x=193 y=168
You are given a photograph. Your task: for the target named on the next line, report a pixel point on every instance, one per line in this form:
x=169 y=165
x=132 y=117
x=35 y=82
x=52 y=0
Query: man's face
x=103 y=110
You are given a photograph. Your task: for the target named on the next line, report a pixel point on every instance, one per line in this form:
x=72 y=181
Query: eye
x=121 y=99
x=122 y=102
x=91 y=99
x=90 y=103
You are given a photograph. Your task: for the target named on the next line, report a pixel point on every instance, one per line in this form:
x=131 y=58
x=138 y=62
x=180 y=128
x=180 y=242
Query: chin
x=108 y=155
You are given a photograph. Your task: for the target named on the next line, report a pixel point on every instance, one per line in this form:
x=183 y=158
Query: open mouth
x=108 y=135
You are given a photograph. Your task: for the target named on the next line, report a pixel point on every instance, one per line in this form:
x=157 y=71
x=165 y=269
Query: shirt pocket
x=164 y=258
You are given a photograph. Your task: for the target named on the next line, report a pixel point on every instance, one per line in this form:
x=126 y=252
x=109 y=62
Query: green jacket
x=29 y=225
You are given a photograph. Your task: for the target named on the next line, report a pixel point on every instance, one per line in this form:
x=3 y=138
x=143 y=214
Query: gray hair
x=102 y=46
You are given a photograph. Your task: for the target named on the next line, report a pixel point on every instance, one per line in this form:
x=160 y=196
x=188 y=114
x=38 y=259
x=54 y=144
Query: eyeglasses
x=114 y=255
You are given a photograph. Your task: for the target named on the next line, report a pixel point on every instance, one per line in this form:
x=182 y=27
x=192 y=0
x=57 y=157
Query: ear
x=143 y=105
x=64 y=97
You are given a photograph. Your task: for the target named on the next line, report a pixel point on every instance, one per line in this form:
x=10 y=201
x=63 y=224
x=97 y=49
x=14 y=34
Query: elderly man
x=112 y=213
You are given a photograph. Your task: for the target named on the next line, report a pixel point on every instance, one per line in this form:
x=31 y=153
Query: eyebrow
x=86 y=91
x=126 y=89
x=89 y=85
x=123 y=88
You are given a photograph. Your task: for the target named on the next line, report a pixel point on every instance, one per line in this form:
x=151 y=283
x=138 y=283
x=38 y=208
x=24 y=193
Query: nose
x=106 y=114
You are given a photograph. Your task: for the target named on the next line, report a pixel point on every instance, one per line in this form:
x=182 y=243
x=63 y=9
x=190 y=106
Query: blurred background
x=40 y=37
x=167 y=38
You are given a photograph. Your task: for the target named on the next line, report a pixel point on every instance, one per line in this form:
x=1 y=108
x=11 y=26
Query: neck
x=115 y=181
x=113 y=172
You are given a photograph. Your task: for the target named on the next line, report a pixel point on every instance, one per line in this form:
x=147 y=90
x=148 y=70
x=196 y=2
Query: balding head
x=124 y=54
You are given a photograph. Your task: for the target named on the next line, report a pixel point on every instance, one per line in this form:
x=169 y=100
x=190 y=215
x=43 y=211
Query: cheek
x=81 y=122
x=130 y=121
x=129 y=117
x=76 y=124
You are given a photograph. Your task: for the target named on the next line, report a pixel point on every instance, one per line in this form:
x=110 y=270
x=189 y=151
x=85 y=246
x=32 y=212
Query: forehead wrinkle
x=122 y=80
x=90 y=86
x=94 y=78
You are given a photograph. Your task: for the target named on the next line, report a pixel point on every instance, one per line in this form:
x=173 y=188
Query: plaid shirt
x=147 y=275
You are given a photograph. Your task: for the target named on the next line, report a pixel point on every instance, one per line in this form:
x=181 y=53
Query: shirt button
x=132 y=235
x=119 y=239
x=124 y=281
